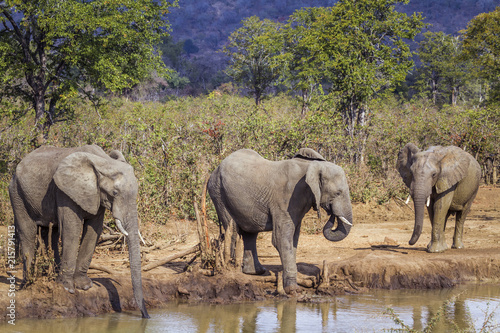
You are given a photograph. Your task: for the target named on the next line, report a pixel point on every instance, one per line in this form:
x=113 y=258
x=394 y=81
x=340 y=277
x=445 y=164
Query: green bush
x=174 y=146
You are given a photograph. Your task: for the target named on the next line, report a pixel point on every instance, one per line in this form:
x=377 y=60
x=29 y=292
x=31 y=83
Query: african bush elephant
x=262 y=195
x=449 y=177
x=490 y=168
x=72 y=187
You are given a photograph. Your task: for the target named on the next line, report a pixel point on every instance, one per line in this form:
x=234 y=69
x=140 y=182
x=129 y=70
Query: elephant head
x=330 y=190
x=92 y=181
x=433 y=171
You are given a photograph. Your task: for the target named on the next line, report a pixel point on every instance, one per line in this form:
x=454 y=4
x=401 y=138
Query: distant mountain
x=206 y=24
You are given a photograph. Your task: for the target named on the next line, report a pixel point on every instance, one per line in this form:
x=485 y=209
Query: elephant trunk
x=419 y=205
x=134 y=250
x=344 y=224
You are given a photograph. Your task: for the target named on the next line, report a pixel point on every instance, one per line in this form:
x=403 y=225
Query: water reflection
x=354 y=313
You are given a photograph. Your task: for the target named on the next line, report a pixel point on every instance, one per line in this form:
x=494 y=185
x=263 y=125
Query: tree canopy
x=355 y=48
x=253 y=51
x=482 y=45
x=52 y=49
x=360 y=49
x=443 y=71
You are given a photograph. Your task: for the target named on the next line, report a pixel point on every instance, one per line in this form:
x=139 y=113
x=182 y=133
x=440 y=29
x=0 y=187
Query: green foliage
x=175 y=145
x=443 y=73
x=50 y=50
x=482 y=46
x=358 y=48
x=253 y=50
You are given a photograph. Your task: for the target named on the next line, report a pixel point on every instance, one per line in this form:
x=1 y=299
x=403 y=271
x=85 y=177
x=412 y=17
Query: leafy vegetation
x=253 y=51
x=174 y=146
x=53 y=50
x=481 y=44
x=443 y=72
x=209 y=23
x=341 y=61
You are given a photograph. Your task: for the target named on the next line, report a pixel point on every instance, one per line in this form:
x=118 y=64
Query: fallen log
x=169 y=258
x=106 y=237
x=103 y=269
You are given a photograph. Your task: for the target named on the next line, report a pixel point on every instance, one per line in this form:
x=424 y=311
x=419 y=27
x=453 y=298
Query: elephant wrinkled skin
x=71 y=188
x=447 y=178
x=252 y=194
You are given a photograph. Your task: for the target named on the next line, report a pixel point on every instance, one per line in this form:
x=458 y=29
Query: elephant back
x=34 y=174
x=309 y=154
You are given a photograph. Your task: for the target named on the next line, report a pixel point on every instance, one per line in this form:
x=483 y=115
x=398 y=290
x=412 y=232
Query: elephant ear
x=313 y=179
x=404 y=162
x=309 y=154
x=454 y=166
x=77 y=177
x=117 y=155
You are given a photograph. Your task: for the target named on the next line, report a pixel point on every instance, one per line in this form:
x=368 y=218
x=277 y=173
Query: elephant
x=448 y=179
x=490 y=170
x=71 y=188
x=256 y=194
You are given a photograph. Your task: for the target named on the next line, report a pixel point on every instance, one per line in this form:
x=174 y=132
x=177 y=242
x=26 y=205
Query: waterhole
x=470 y=307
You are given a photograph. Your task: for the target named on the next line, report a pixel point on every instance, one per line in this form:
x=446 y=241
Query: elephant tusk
x=343 y=219
x=142 y=239
x=428 y=201
x=120 y=227
x=408 y=199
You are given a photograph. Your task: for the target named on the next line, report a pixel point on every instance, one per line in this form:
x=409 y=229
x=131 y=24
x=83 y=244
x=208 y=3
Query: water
x=466 y=308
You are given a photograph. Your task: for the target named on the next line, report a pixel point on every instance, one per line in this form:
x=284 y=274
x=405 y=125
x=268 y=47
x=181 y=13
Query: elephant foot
x=457 y=245
x=83 y=282
x=67 y=283
x=291 y=289
x=259 y=270
x=252 y=266
x=436 y=247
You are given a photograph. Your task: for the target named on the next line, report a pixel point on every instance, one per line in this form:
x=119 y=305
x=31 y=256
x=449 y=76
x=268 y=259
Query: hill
x=205 y=26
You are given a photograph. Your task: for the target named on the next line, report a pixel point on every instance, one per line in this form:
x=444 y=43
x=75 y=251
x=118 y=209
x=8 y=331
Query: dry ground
x=376 y=254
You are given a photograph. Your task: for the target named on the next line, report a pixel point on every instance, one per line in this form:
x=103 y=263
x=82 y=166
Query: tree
x=359 y=48
x=482 y=46
x=301 y=73
x=53 y=48
x=442 y=70
x=254 y=51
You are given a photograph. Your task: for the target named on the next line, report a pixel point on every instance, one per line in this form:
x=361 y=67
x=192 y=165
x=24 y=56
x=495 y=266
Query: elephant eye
x=115 y=193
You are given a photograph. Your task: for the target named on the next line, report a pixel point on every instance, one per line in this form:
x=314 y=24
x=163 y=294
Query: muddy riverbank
x=376 y=254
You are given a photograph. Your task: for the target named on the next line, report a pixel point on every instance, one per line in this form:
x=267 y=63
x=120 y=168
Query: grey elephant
x=72 y=187
x=261 y=195
x=447 y=178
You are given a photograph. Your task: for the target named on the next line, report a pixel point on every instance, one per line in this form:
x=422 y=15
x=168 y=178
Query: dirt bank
x=375 y=255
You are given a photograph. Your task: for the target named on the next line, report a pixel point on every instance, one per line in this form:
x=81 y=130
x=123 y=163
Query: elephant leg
x=283 y=241
x=27 y=239
x=227 y=222
x=438 y=221
x=26 y=231
x=71 y=229
x=251 y=264
x=55 y=247
x=92 y=229
x=459 y=227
